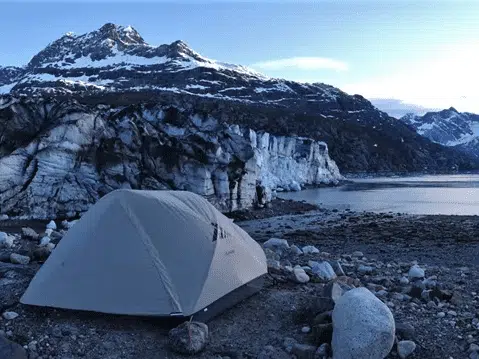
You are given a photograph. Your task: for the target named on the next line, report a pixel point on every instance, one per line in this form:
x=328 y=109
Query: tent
x=150 y=253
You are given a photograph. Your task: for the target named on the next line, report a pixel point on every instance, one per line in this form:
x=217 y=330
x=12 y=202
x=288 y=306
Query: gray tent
x=152 y=253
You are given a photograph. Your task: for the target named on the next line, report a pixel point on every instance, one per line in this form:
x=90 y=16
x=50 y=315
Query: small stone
x=405 y=331
x=11 y=350
x=44 y=241
x=3 y=217
x=473 y=347
x=295 y=250
x=404 y=281
x=322 y=269
x=357 y=254
x=338 y=269
x=9 y=315
x=441 y=315
x=41 y=254
x=382 y=293
x=426 y=295
x=288 y=344
x=29 y=233
x=474 y=355
x=304 y=351
x=416 y=272
x=310 y=250
x=188 y=338
x=405 y=348
x=52 y=225
x=323 y=351
x=276 y=243
x=452 y=313
x=305 y=329
x=300 y=275
x=365 y=269
x=51 y=246
x=273 y=265
x=16 y=258
x=6 y=241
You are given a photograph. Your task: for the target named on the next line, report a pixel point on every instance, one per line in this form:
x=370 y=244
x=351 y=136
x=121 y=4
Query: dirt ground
x=443 y=245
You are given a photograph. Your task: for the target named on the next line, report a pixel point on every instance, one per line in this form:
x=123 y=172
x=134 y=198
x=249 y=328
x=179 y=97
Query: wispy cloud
x=302 y=63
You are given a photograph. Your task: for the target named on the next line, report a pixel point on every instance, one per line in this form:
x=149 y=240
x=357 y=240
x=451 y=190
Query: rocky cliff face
x=58 y=157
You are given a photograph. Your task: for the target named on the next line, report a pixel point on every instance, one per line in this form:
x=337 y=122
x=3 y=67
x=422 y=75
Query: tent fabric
x=155 y=253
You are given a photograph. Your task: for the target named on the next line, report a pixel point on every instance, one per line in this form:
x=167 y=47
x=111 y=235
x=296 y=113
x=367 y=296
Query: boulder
x=363 y=326
x=322 y=269
x=405 y=348
x=11 y=350
x=188 y=338
x=29 y=233
x=16 y=258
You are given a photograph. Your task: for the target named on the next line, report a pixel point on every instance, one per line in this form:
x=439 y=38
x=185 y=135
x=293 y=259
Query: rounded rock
x=416 y=272
x=188 y=338
x=363 y=326
x=406 y=348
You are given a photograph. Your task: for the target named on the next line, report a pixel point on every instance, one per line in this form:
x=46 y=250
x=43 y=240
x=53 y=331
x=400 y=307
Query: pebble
x=44 y=241
x=9 y=315
x=6 y=241
x=16 y=258
x=358 y=254
x=276 y=243
x=300 y=275
x=473 y=347
x=310 y=250
x=305 y=329
x=295 y=250
x=404 y=281
x=405 y=348
x=365 y=269
x=441 y=315
x=416 y=272
x=52 y=225
x=452 y=313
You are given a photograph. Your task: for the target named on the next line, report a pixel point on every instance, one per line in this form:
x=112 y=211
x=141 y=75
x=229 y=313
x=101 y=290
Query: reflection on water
x=455 y=194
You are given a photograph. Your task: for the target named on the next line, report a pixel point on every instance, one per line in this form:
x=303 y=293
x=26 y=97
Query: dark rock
x=188 y=338
x=11 y=350
x=405 y=331
x=41 y=254
x=304 y=351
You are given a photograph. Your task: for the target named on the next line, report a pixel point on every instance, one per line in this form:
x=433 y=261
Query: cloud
x=302 y=63
x=448 y=79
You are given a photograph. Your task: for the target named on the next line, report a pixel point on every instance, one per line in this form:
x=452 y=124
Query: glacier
x=57 y=158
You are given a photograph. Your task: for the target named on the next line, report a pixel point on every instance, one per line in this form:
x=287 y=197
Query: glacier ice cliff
x=57 y=158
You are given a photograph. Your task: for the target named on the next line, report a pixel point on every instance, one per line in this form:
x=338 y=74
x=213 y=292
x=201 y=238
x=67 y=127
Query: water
x=441 y=194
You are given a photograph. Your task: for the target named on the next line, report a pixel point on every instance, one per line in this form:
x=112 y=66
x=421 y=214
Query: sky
x=424 y=52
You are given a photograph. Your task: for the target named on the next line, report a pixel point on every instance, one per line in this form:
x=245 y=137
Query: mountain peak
x=127 y=35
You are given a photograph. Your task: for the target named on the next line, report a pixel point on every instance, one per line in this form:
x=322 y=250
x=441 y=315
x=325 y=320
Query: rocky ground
x=439 y=313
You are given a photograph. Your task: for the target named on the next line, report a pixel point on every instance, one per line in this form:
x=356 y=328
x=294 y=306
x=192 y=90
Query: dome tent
x=150 y=253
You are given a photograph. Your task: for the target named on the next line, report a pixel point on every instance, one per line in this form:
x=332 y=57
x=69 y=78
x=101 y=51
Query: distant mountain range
x=449 y=128
x=114 y=66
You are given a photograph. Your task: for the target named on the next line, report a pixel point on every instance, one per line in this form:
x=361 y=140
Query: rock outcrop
x=59 y=157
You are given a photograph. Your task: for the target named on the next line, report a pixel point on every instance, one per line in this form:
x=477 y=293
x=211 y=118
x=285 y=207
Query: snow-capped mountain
x=117 y=59
x=449 y=128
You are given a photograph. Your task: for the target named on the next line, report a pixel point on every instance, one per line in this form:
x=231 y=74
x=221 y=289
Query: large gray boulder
x=363 y=326
x=188 y=338
x=11 y=350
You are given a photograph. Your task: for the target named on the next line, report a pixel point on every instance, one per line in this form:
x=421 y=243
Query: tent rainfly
x=150 y=253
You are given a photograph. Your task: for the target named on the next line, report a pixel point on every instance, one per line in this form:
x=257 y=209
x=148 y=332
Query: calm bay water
x=441 y=194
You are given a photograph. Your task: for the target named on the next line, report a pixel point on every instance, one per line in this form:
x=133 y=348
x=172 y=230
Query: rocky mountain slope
x=449 y=128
